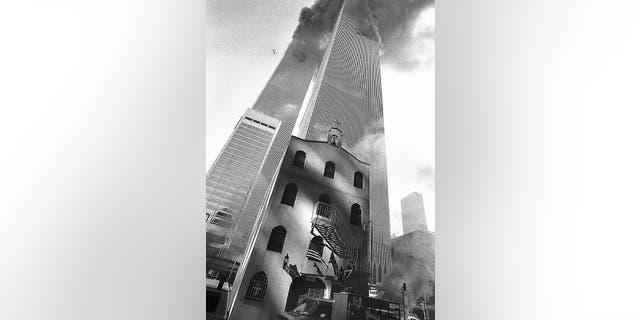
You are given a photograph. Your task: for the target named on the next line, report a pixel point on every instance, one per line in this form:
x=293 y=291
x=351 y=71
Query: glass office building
x=230 y=182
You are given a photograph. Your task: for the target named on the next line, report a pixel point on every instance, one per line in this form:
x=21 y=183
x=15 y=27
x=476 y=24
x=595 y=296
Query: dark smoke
x=361 y=10
x=387 y=21
x=413 y=264
x=314 y=28
x=396 y=19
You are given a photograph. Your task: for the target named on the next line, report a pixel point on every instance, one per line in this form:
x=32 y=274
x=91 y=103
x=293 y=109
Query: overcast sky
x=241 y=37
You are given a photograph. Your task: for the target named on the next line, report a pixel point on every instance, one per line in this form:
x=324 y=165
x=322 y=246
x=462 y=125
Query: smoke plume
x=314 y=29
x=403 y=44
x=361 y=11
x=391 y=22
x=413 y=264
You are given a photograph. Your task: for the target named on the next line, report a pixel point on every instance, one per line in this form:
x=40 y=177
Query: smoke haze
x=414 y=264
x=314 y=28
x=391 y=22
x=397 y=25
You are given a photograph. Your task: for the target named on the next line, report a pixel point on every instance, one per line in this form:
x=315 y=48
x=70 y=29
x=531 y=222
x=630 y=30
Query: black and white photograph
x=320 y=154
x=322 y=150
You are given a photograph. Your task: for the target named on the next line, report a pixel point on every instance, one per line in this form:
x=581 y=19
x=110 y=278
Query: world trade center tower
x=347 y=91
x=339 y=87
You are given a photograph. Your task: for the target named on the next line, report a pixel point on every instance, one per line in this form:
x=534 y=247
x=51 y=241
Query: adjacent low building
x=413 y=256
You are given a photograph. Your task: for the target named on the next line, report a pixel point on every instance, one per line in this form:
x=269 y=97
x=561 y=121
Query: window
x=276 y=240
x=299 y=158
x=356 y=214
x=324 y=199
x=357 y=179
x=221 y=218
x=257 y=287
x=213 y=298
x=334 y=140
x=289 y=195
x=315 y=249
x=329 y=169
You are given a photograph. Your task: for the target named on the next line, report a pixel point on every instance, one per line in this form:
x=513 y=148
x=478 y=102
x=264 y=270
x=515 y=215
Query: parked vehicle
x=310 y=309
x=346 y=306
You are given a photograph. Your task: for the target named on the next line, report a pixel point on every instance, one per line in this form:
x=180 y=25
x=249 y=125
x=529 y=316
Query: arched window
x=276 y=240
x=315 y=249
x=357 y=179
x=329 y=169
x=257 y=287
x=289 y=195
x=324 y=199
x=299 y=158
x=356 y=215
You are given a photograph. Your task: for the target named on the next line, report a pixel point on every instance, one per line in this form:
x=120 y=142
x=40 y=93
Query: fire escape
x=334 y=229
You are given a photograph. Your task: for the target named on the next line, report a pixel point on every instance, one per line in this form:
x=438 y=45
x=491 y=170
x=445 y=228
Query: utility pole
x=404 y=309
x=424 y=307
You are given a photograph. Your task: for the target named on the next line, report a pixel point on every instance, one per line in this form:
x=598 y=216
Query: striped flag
x=315 y=256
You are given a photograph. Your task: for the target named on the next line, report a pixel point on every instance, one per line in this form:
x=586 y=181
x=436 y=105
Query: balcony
x=334 y=228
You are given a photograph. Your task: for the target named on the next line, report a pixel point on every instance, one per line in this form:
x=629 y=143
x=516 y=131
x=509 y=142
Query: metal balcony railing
x=334 y=228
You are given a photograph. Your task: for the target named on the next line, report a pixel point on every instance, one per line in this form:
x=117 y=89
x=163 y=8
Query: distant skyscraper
x=413 y=215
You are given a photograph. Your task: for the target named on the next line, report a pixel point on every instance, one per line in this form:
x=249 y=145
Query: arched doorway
x=303 y=287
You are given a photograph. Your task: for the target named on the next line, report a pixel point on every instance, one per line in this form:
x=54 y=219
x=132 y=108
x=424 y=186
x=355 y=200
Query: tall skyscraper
x=347 y=91
x=413 y=215
x=280 y=100
x=308 y=93
x=230 y=182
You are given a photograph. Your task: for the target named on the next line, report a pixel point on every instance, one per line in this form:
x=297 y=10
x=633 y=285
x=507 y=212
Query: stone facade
x=302 y=275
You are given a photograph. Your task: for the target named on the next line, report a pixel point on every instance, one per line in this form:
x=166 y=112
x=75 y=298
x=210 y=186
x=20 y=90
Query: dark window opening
x=257 y=287
x=213 y=299
x=329 y=169
x=299 y=158
x=334 y=140
x=276 y=240
x=356 y=215
x=289 y=195
x=324 y=199
x=358 y=179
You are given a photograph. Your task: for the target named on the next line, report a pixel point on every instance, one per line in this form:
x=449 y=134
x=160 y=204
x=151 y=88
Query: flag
x=315 y=256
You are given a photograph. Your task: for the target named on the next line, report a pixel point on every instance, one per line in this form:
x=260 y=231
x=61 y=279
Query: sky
x=241 y=38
